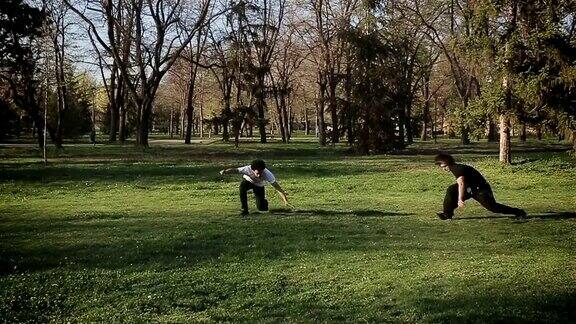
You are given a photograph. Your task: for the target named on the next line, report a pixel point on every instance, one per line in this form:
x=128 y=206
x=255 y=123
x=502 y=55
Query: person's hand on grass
x=222 y=171
x=461 y=203
x=284 y=198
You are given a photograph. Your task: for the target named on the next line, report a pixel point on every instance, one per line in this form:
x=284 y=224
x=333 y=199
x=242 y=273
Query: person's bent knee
x=452 y=189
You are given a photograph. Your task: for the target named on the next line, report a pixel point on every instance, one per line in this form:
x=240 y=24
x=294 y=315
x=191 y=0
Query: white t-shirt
x=248 y=174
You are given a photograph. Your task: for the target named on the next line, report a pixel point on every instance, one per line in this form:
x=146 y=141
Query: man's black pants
x=259 y=194
x=483 y=195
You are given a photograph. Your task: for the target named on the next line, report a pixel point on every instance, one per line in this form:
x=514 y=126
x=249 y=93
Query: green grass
x=112 y=233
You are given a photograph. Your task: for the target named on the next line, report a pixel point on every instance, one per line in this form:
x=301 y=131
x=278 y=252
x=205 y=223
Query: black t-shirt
x=472 y=178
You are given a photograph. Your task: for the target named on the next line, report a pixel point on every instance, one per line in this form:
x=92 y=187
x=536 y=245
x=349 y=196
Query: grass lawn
x=112 y=234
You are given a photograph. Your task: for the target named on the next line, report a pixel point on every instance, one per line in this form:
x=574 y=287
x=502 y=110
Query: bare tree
x=258 y=25
x=288 y=59
x=447 y=24
x=156 y=43
x=192 y=54
x=58 y=32
x=224 y=67
x=118 y=33
x=328 y=22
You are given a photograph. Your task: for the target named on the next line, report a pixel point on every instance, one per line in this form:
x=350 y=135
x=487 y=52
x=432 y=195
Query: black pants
x=483 y=195
x=259 y=194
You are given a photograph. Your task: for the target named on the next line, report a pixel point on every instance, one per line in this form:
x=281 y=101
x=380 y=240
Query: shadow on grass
x=169 y=173
x=172 y=153
x=322 y=212
x=430 y=148
x=509 y=306
x=170 y=241
x=544 y=216
x=104 y=240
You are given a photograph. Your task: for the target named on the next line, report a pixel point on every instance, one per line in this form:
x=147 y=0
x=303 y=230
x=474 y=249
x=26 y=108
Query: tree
x=156 y=41
x=530 y=48
x=257 y=25
x=374 y=74
x=329 y=21
x=115 y=86
x=193 y=53
x=288 y=60
x=58 y=33
x=20 y=27
x=9 y=120
x=448 y=26
x=224 y=53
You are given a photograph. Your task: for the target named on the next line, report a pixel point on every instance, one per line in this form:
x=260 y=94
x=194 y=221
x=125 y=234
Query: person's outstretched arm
x=229 y=171
x=280 y=191
x=461 y=191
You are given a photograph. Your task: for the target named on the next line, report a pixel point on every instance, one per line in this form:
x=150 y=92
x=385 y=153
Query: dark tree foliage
x=20 y=24
x=377 y=116
x=10 y=126
x=545 y=62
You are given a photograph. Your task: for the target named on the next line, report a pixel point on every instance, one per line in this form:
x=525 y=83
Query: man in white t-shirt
x=255 y=177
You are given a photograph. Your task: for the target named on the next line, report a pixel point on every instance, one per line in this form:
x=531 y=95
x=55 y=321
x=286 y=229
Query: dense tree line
x=373 y=74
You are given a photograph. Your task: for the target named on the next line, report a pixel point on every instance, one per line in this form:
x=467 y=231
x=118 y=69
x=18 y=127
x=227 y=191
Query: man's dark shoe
x=521 y=214
x=444 y=216
x=244 y=212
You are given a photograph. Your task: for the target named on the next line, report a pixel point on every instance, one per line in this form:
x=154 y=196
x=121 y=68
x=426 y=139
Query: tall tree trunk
x=144 y=123
x=113 y=107
x=285 y=116
x=189 y=113
x=350 y=115
x=260 y=103
x=401 y=120
x=426 y=108
x=62 y=105
x=201 y=121
x=190 y=104
x=291 y=118
x=320 y=113
x=279 y=113
x=39 y=125
x=182 y=119
x=464 y=130
x=434 y=120
x=226 y=119
x=523 y=133
x=491 y=130
x=122 y=131
x=114 y=119
x=505 y=147
x=171 y=123
x=409 y=131
x=62 y=89
x=464 y=135
x=306 y=121
x=120 y=101
x=333 y=107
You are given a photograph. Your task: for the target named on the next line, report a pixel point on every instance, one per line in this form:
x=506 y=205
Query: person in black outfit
x=469 y=184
